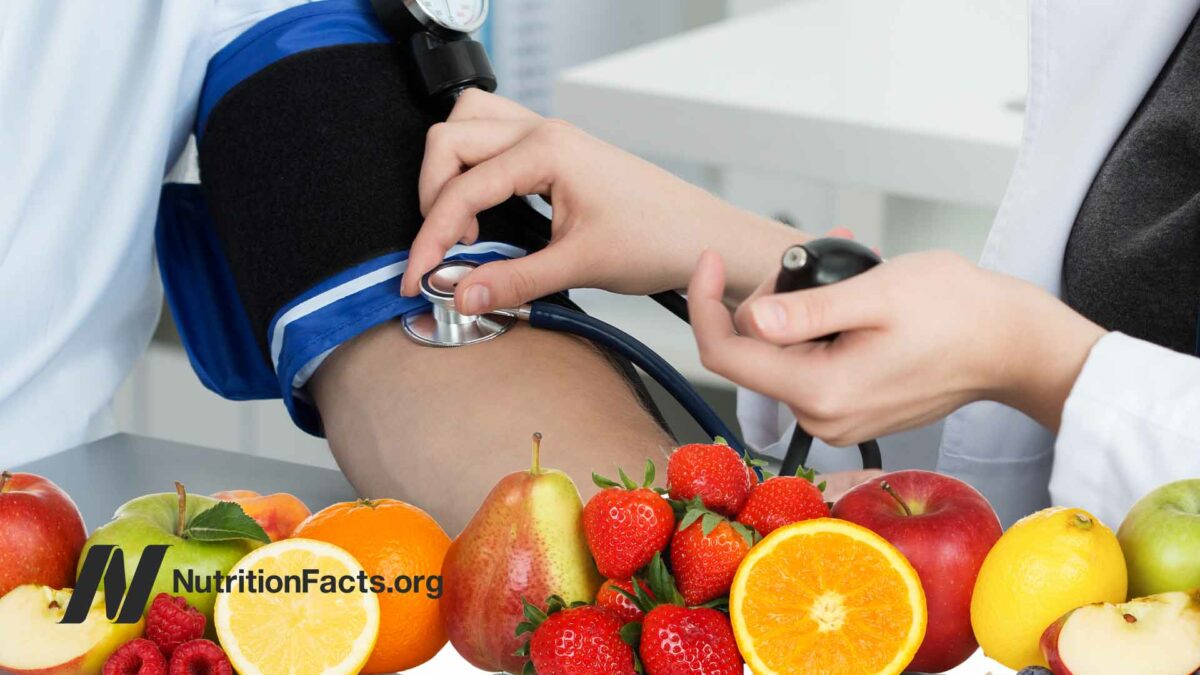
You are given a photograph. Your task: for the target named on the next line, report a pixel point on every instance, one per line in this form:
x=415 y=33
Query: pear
x=526 y=541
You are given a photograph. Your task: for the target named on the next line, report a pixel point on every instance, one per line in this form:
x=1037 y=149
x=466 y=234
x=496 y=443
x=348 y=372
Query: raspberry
x=171 y=622
x=200 y=657
x=136 y=657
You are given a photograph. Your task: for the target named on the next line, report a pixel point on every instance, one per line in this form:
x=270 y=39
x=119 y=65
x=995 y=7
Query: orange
x=826 y=596
x=401 y=547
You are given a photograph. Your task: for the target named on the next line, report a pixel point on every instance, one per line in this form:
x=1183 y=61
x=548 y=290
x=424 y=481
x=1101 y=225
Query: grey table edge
x=103 y=474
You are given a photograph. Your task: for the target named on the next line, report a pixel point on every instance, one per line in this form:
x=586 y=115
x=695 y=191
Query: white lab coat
x=1132 y=420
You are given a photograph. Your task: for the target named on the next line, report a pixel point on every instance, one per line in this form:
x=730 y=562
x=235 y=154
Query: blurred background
x=899 y=119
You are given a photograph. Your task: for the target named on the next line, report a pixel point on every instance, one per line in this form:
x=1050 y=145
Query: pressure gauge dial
x=461 y=16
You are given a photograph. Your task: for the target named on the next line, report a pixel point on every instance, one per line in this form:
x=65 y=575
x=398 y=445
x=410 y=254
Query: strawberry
x=677 y=640
x=682 y=640
x=783 y=500
x=611 y=599
x=705 y=553
x=714 y=473
x=625 y=525
x=579 y=639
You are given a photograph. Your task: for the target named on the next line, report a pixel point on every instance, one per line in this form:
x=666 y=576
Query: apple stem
x=181 y=520
x=4 y=479
x=536 y=466
x=887 y=487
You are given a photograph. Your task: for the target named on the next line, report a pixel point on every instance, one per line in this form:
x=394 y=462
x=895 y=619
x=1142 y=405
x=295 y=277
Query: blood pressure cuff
x=311 y=139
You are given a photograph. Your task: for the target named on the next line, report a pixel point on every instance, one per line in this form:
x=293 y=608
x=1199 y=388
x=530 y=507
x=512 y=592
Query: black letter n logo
x=111 y=558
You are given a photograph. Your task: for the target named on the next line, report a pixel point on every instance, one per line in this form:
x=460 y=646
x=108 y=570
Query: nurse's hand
x=918 y=337
x=620 y=223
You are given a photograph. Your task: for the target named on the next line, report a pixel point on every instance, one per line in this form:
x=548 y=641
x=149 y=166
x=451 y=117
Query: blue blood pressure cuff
x=310 y=137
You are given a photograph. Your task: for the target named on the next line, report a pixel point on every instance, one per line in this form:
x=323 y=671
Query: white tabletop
x=448 y=662
x=912 y=97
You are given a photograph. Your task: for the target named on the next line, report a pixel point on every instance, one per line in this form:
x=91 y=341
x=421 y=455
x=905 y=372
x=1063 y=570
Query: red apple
x=945 y=528
x=41 y=533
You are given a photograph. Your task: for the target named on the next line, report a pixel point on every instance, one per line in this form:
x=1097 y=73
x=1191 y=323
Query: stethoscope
x=448 y=62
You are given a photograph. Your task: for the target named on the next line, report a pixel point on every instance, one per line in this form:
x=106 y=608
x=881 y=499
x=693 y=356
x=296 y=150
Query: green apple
x=199 y=545
x=34 y=641
x=1161 y=540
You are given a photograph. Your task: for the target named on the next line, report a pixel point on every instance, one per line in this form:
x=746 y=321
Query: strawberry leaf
x=629 y=484
x=554 y=604
x=721 y=604
x=709 y=522
x=821 y=486
x=662 y=584
x=806 y=473
x=528 y=669
x=631 y=634
x=643 y=600
x=603 y=482
x=750 y=535
x=632 y=597
x=648 y=474
x=689 y=517
x=720 y=440
x=533 y=613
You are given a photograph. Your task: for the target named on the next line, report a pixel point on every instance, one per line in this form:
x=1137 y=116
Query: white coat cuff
x=1128 y=426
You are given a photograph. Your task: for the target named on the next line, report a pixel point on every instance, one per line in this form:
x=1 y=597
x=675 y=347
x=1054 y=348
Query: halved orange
x=827 y=596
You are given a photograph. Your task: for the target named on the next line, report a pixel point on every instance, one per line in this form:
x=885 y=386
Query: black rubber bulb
x=821 y=262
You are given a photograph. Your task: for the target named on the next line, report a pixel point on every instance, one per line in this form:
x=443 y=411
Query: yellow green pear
x=525 y=541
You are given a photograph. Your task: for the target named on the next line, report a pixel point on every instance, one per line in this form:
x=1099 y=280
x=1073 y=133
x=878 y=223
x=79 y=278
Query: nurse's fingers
x=452 y=146
x=512 y=283
x=524 y=169
x=759 y=366
x=799 y=316
x=474 y=104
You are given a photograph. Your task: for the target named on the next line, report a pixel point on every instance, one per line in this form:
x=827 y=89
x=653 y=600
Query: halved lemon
x=283 y=628
x=827 y=596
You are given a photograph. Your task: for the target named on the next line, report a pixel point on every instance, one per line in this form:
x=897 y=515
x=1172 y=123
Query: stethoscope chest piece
x=445 y=326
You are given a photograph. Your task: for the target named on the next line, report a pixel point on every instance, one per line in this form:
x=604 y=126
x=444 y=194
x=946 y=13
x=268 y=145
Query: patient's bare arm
x=438 y=427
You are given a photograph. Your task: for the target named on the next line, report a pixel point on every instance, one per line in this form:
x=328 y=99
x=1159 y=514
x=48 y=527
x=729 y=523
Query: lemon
x=1045 y=565
x=329 y=630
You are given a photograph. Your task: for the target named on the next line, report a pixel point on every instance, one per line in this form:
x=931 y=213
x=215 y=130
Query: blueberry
x=1034 y=670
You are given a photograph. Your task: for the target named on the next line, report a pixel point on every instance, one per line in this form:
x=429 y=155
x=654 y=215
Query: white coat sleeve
x=1130 y=424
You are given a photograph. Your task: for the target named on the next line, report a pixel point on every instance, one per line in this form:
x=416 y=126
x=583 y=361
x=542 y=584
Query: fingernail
x=769 y=316
x=476 y=299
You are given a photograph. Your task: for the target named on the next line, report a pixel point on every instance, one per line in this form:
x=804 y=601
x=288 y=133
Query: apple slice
x=36 y=642
x=1155 y=635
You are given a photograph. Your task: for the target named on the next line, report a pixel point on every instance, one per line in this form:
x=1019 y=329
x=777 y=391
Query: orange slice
x=826 y=596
